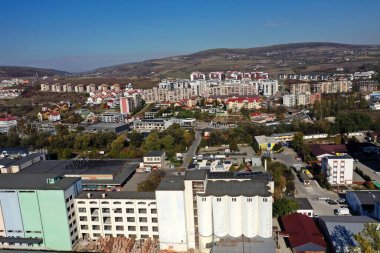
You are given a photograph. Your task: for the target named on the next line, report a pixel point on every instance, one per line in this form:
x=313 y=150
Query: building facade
x=37 y=212
x=338 y=169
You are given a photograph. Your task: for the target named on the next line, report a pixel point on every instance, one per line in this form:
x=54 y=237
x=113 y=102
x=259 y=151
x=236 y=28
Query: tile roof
x=302 y=230
x=320 y=149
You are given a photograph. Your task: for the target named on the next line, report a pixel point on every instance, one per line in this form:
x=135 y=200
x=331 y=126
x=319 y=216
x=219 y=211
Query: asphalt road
x=312 y=192
x=192 y=150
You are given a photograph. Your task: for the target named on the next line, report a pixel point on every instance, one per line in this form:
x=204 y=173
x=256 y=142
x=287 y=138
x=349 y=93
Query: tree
x=277 y=148
x=369 y=238
x=284 y=206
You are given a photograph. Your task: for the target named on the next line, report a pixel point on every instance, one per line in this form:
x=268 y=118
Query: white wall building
x=268 y=87
x=208 y=206
x=338 y=169
x=130 y=214
x=7 y=123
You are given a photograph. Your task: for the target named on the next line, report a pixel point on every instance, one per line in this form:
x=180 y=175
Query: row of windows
x=119 y=228
x=118 y=210
x=234 y=199
x=120 y=219
x=117 y=203
x=95 y=235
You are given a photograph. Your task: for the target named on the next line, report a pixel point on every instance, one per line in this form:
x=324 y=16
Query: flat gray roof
x=244 y=244
x=117 y=195
x=367 y=197
x=303 y=203
x=234 y=188
x=120 y=169
x=25 y=159
x=196 y=174
x=348 y=219
x=34 y=182
x=172 y=183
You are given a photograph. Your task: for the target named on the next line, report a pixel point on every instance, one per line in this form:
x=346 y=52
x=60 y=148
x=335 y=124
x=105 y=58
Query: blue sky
x=78 y=35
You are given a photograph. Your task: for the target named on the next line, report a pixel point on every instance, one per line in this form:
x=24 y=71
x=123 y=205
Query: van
x=342 y=211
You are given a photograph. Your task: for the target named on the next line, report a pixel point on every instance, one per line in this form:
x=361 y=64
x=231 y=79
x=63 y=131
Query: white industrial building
x=130 y=214
x=338 y=169
x=205 y=207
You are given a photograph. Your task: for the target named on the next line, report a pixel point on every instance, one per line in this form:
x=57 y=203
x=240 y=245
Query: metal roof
x=234 y=188
x=35 y=182
x=367 y=197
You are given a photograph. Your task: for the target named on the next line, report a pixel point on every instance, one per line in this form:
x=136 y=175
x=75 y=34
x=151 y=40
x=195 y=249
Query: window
x=119 y=228
x=117 y=210
x=141 y=203
x=218 y=199
x=265 y=200
x=143 y=228
x=105 y=210
x=249 y=199
x=144 y=236
x=203 y=199
x=129 y=210
x=93 y=202
x=107 y=227
x=233 y=199
x=118 y=219
x=81 y=202
x=129 y=203
x=82 y=210
x=153 y=211
x=142 y=210
x=96 y=235
x=130 y=219
x=155 y=229
x=154 y=220
x=143 y=219
x=117 y=203
x=95 y=227
x=105 y=202
x=131 y=228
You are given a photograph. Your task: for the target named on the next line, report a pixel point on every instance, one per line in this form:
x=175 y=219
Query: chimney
x=88 y=195
x=104 y=195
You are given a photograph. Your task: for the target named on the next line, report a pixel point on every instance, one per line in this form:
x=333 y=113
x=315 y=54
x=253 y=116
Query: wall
x=171 y=220
x=11 y=213
x=54 y=219
x=30 y=212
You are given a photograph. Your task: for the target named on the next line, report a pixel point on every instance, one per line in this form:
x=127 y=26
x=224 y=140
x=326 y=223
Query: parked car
x=331 y=202
x=341 y=201
x=342 y=211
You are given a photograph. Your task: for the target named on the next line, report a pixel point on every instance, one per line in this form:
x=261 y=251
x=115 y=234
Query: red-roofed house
x=236 y=103
x=257 y=117
x=7 y=123
x=303 y=234
x=322 y=150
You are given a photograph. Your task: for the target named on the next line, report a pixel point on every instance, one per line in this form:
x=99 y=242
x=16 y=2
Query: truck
x=342 y=211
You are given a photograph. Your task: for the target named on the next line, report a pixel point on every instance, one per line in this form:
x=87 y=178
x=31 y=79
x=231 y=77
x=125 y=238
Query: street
x=192 y=149
x=311 y=192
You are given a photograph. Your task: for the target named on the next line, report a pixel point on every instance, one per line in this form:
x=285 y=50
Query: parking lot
x=312 y=192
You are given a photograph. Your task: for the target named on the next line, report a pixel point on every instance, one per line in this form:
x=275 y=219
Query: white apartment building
x=147 y=125
x=268 y=87
x=7 y=123
x=291 y=100
x=338 y=169
x=299 y=88
x=130 y=214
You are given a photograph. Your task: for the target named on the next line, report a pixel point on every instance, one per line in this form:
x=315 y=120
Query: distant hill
x=19 y=71
x=296 y=57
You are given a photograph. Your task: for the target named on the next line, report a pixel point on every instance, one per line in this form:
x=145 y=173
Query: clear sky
x=78 y=35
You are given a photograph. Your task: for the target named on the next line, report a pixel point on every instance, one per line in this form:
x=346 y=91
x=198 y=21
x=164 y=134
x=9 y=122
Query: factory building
x=37 y=211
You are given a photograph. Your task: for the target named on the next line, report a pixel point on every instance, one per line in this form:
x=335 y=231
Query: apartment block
x=338 y=169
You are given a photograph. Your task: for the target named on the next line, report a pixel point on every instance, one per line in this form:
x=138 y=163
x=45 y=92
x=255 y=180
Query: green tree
x=369 y=238
x=284 y=206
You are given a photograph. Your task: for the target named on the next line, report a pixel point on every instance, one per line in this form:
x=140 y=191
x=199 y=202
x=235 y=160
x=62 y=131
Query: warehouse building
x=37 y=211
